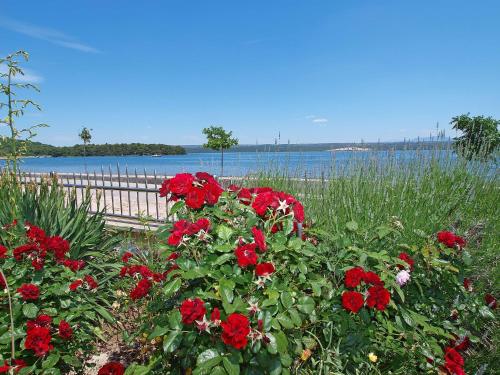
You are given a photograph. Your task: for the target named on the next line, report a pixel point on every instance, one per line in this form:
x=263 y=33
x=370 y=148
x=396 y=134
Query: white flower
x=203 y=325
x=253 y=307
x=402 y=277
x=283 y=206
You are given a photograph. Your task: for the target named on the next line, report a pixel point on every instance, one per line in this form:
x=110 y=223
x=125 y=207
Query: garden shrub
x=243 y=285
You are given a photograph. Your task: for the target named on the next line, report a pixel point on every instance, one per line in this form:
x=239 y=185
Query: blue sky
x=316 y=71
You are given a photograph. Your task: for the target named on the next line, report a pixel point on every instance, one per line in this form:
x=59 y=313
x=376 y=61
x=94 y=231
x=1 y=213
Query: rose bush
x=244 y=285
x=51 y=300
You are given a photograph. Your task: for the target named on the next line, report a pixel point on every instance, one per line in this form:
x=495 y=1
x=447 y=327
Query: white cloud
x=47 y=34
x=320 y=120
x=29 y=76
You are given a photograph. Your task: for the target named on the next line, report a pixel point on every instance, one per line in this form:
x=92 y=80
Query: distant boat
x=156 y=156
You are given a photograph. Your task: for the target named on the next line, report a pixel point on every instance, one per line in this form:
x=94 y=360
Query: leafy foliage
x=480 y=135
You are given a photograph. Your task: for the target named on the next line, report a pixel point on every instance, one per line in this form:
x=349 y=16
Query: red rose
x=41 y=321
x=29 y=292
x=468 y=284
x=173 y=256
x=259 y=239
x=460 y=343
x=262 y=202
x=459 y=241
x=215 y=315
x=245 y=196
x=36 y=234
x=246 y=255
x=112 y=368
x=126 y=256
x=449 y=239
x=235 y=330
x=298 y=212
x=91 y=283
x=195 y=198
x=264 y=269
x=58 y=245
x=3 y=252
x=378 y=297
x=141 y=289
x=199 y=225
x=38 y=340
x=192 y=309
x=490 y=301
x=181 y=183
x=213 y=192
x=65 y=330
x=3 y=283
x=75 y=285
x=73 y=265
x=453 y=361
x=406 y=258
x=353 y=277
x=372 y=278
x=352 y=301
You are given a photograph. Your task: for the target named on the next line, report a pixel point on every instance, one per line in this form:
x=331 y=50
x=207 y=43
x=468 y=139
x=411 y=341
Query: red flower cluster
x=112 y=368
x=185 y=228
x=3 y=283
x=460 y=343
x=141 y=289
x=259 y=239
x=377 y=296
x=406 y=258
x=41 y=321
x=264 y=269
x=450 y=239
x=197 y=190
x=277 y=202
x=3 y=252
x=16 y=365
x=88 y=280
x=65 y=330
x=126 y=256
x=29 y=292
x=40 y=245
x=192 y=309
x=453 y=362
x=490 y=301
x=38 y=340
x=235 y=330
x=246 y=255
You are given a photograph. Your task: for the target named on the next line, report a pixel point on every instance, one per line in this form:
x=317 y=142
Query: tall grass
x=429 y=192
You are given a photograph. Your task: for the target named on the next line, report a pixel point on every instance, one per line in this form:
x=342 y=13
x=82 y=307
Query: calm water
x=235 y=163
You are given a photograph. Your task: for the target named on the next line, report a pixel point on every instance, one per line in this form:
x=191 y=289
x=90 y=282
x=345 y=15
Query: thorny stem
x=13 y=348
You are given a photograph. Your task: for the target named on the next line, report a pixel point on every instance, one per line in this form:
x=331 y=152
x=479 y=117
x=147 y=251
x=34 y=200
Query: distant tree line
x=118 y=149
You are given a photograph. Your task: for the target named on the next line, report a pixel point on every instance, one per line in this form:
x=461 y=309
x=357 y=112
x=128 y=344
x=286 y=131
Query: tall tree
x=219 y=139
x=480 y=136
x=86 y=137
x=15 y=106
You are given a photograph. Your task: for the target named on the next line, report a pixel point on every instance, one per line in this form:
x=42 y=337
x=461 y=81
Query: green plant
x=15 y=107
x=219 y=139
x=480 y=137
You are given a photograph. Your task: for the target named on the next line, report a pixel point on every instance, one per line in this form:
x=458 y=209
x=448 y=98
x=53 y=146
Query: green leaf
x=176 y=207
x=231 y=365
x=172 y=287
x=281 y=342
x=208 y=359
x=30 y=310
x=306 y=305
x=71 y=360
x=352 y=226
x=172 y=341
x=226 y=288
x=285 y=321
x=51 y=360
x=105 y=314
x=286 y=300
x=222 y=259
x=224 y=232
x=157 y=331
x=272 y=346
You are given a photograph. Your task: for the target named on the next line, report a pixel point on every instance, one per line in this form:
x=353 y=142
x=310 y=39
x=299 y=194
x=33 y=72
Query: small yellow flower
x=372 y=357
x=306 y=353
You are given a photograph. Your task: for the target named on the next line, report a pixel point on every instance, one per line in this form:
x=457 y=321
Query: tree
x=219 y=139
x=15 y=107
x=480 y=136
x=85 y=136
